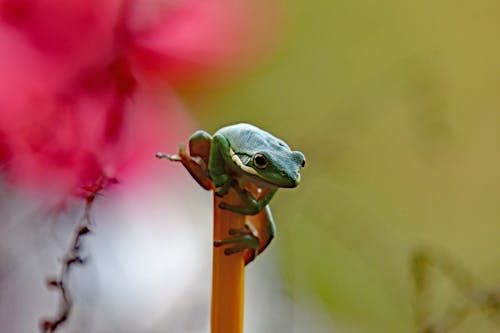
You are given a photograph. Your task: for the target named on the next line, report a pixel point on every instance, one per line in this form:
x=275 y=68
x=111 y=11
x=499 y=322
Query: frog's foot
x=175 y=157
x=181 y=156
x=195 y=165
x=243 y=240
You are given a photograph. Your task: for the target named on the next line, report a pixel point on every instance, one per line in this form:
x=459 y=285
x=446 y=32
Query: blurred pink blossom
x=86 y=87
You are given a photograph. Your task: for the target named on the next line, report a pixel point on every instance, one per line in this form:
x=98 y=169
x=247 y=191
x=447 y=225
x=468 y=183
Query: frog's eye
x=260 y=161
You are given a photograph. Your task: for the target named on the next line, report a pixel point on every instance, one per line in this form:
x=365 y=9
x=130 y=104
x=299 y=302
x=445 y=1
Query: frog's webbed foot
x=242 y=240
x=195 y=165
x=173 y=158
x=179 y=157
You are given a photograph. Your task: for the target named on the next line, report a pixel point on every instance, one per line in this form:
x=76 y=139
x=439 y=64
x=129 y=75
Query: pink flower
x=86 y=86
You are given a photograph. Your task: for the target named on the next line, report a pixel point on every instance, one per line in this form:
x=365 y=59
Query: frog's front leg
x=196 y=161
x=219 y=156
x=253 y=238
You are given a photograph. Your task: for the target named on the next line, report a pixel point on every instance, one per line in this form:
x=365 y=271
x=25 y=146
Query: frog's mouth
x=292 y=182
x=297 y=181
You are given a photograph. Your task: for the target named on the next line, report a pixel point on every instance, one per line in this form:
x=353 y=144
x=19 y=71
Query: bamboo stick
x=228 y=272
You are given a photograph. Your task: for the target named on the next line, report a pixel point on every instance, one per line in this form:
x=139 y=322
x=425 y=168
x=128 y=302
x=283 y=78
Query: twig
x=73 y=257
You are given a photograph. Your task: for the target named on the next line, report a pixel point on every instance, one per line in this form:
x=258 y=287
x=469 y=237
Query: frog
x=252 y=162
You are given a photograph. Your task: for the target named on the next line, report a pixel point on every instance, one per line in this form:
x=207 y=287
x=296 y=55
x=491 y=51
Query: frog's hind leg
x=241 y=240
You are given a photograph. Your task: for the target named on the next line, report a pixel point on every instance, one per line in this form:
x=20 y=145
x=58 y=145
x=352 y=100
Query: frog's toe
x=240 y=242
x=240 y=231
x=232 y=250
x=243 y=241
x=173 y=157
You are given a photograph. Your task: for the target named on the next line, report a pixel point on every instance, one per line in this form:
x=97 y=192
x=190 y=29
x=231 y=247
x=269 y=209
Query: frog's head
x=281 y=168
x=276 y=165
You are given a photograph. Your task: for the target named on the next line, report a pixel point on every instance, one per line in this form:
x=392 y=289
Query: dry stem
x=228 y=275
x=71 y=258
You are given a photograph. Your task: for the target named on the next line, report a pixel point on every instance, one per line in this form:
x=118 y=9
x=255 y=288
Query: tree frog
x=252 y=162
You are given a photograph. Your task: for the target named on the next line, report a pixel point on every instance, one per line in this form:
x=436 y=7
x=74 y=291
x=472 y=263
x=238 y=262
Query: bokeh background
x=394 y=105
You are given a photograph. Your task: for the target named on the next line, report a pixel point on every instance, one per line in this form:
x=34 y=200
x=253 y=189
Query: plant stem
x=228 y=272
x=71 y=258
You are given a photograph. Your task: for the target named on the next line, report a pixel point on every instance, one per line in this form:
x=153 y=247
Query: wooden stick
x=228 y=272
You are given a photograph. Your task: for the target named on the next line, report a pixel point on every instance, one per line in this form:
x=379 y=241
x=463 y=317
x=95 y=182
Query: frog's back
x=246 y=138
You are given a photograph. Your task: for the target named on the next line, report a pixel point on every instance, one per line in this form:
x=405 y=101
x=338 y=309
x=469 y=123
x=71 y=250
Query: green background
x=395 y=105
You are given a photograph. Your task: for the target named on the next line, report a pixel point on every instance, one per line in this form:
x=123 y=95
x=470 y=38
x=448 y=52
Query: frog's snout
x=300 y=161
x=299 y=158
x=297 y=180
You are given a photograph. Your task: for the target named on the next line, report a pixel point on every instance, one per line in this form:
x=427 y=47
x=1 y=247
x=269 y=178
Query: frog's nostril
x=299 y=158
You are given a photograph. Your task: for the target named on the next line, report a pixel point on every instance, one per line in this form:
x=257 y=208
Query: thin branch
x=73 y=257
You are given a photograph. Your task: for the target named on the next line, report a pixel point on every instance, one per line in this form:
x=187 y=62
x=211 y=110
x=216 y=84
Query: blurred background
x=394 y=227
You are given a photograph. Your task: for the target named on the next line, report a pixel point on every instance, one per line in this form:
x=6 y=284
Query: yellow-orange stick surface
x=228 y=272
